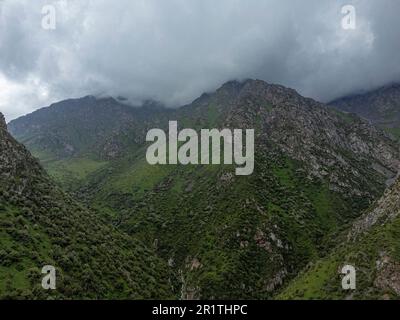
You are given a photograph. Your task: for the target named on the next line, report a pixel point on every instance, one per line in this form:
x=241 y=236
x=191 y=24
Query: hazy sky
x=174 y=50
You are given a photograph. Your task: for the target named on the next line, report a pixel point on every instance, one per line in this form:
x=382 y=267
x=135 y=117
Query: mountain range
x=316 y=200
x=380 y=106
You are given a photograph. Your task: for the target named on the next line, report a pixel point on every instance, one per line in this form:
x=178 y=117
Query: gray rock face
x=344 y=149
x=385 y=210
x=3 y=124
x=388 y=274
x=380 y=106
x=17 y=167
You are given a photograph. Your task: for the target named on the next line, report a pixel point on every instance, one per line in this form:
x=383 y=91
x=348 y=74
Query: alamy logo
x=165 y=150
x=49 y=17
x=49 y=280
x=349 y=279
x=349 y=19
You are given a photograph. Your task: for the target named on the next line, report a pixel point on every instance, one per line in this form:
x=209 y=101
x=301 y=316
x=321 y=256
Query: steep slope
x=372 y=246
x=226 y=236
x=86 y=126
x=41 y=225
x=331 y=144
x=75 y=137
x=381 y=107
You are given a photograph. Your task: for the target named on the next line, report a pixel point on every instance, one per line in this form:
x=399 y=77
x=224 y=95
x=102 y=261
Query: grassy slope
x=40 y=224
x=92 y=259
x=229 y=224
x=224 y=236
x=70 y=173
x=322 y=279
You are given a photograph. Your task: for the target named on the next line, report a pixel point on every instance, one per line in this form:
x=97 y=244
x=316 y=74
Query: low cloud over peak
x=172 y=51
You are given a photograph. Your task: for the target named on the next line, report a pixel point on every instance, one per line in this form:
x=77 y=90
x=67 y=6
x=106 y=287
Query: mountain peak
x=257 y=87
x=3 y=124
x=236 y=86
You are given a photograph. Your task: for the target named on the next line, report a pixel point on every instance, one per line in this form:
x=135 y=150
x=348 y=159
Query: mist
x=173 y=51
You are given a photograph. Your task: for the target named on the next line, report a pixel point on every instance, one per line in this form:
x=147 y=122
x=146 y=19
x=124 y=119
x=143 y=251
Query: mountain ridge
x=380 y=106
x=316 y=171
x=42 y=225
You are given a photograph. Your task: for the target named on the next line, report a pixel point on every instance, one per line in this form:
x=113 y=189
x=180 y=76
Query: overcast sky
x=174 y=50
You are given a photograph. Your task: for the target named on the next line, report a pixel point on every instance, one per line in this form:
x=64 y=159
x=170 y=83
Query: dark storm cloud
x=173 y=50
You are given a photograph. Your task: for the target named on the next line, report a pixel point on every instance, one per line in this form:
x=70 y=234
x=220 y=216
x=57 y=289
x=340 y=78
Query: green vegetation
x=72 y=172
x=177 y=231
x=393 y=131
x=322 y=280
x=213 y=226
x=347 y=117
x=41 y=225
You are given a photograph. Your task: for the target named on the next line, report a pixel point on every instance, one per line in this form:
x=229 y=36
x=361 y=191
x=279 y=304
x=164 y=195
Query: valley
x=272 y=234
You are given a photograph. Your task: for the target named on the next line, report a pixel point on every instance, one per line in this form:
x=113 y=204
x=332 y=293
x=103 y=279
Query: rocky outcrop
x=344 y=149
x=16 y=161
x=380 y=106
x=385 y=210
x=388 y=274
x=3 y=124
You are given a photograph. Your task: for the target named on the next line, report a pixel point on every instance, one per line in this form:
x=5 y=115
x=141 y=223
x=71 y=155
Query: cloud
x=17 y=98
x=174 y=50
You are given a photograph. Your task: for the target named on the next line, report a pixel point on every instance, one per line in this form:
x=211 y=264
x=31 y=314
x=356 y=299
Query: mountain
x=42 y=225
x=223 y=236
x=86 y=134
x=371 y=246
x=76 y=136
x=86 y=126
x=380 y=106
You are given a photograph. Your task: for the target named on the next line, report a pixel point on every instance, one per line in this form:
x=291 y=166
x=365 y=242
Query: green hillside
x=41 y=225
x=222 y=235
x=373 y=249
